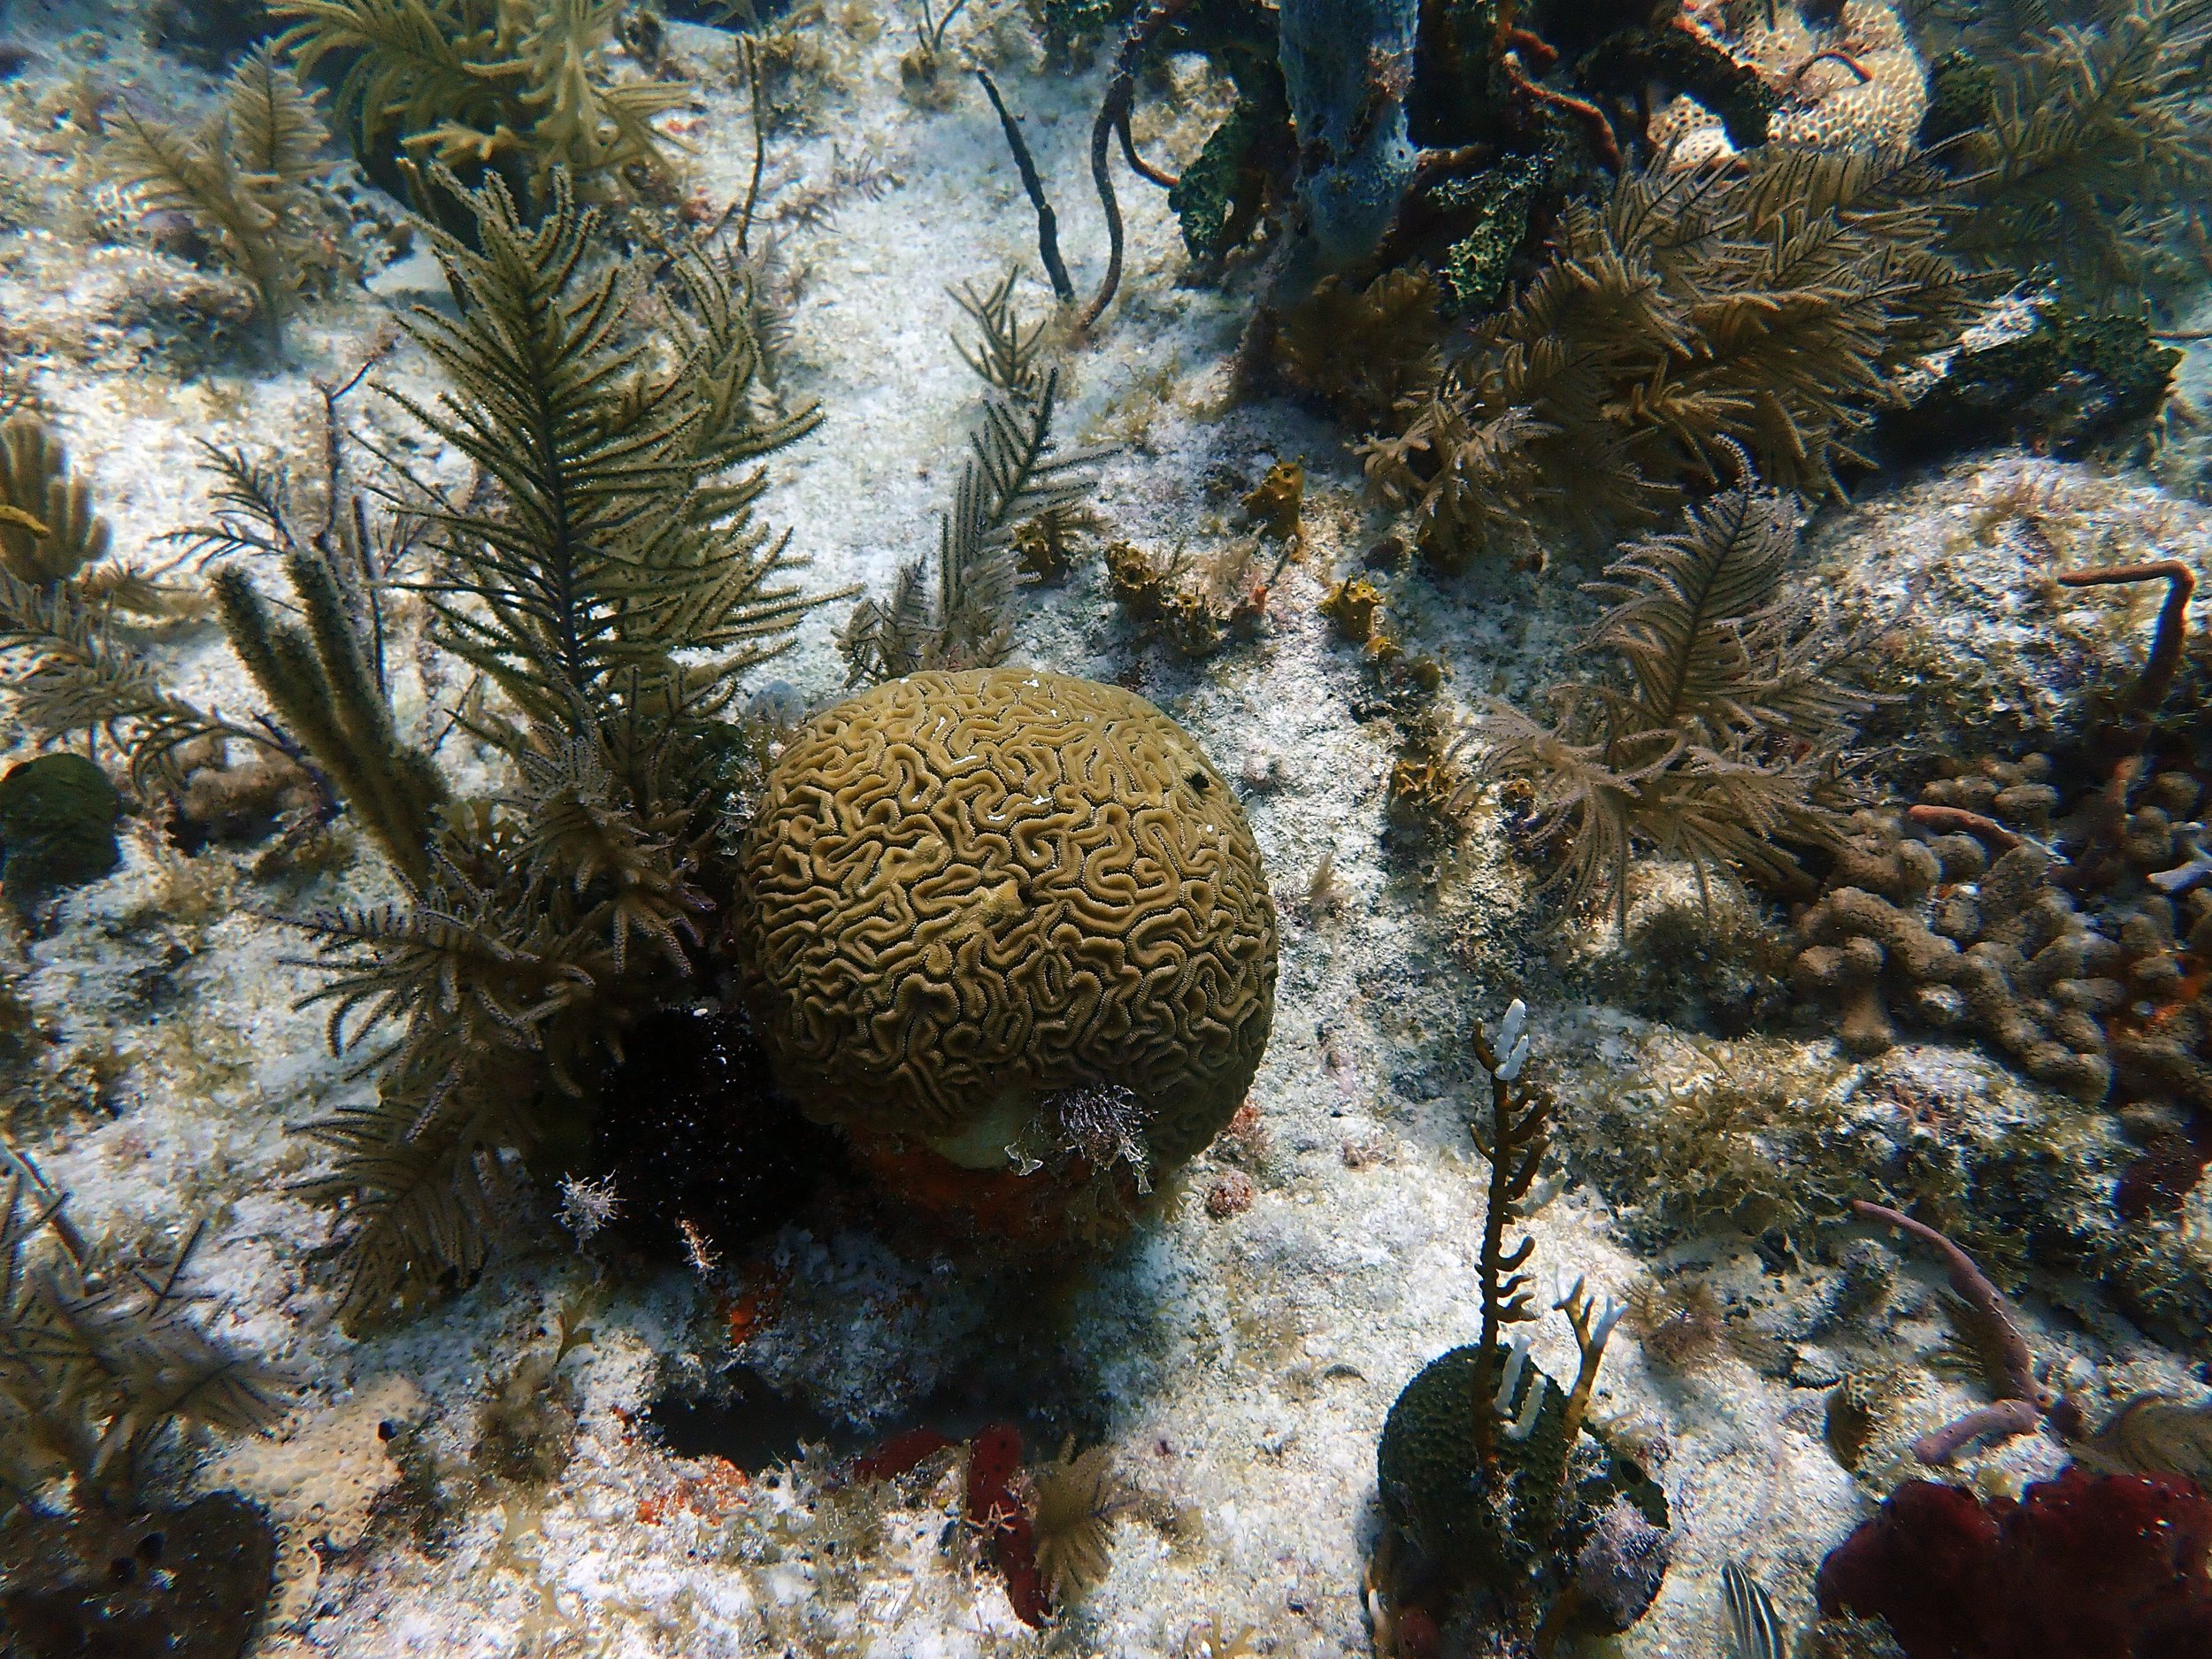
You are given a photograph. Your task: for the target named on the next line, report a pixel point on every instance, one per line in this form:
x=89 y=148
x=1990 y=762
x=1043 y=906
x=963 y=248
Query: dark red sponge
x=2086 y=1566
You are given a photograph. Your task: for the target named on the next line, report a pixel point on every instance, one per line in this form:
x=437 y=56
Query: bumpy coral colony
x=1687 y=512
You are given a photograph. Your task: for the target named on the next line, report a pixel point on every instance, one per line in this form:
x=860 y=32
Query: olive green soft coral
x=319 y=680
x=517 y=86
x=616 y=576
x=241 y=177
x=2093 y=163
x=608 y=585
x=1768 y=300
x=48 y=528
x=1724 y=745
x=1015 y=472
x=100 y=1364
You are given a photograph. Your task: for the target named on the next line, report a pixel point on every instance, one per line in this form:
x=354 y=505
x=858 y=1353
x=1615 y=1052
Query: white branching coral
x=587 y=1205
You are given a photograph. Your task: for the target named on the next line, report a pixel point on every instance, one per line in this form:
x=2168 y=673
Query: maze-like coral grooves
x=965 y=887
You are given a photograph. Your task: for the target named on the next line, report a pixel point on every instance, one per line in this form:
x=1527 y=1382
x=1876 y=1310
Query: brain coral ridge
x=965 y=892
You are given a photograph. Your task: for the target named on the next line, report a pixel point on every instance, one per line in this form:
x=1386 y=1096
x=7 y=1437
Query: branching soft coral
x=1767 y=300
x=70 y=673
x=100 y=1362
x=242 y=177
x=48 y=530
x=610 y=591
x=513 y=85
x=2096 y=153
x=1724 y=745
x=1015 y=472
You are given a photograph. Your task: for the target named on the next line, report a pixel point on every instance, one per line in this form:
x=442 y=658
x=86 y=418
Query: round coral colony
x=1008 y=931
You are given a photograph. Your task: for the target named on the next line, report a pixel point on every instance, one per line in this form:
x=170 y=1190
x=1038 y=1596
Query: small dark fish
x=1751 y=1617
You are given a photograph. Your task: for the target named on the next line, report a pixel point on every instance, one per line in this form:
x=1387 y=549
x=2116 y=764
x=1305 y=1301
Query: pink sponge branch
x=2020 y=1404
x=1994 y=1423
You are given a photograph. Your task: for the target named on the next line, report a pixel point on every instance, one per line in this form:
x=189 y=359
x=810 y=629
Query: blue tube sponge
x=1346 y=64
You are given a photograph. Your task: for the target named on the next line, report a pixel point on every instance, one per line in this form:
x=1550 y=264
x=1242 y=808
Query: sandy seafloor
x=1240 y=1368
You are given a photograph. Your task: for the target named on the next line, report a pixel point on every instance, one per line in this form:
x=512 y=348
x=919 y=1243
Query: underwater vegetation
x=49 y=528
x=2092 y=157
x=1726 y=744
x=1015 y=491
x=515 y=86
x=611 y=584
x=76 y=672
x=961 y=903
x=613 y=592
x=66 y=610
x=1001 y=943
x=104 y=1365
x=1768 y=301
x=103 y=1360
x=1505 y=1506
x=1363 y=351
x=1077 y=1502
x=1545 y=265
x=54 y=541
x=60 y=596
x=244 y=179
x=1047 y=1528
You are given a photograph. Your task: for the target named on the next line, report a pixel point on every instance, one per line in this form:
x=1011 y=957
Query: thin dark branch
x=1138 y=164
x=1113 y=113
x=2021 y=1401
x=760 y=146
x=1048 y=226
x=2170 y=637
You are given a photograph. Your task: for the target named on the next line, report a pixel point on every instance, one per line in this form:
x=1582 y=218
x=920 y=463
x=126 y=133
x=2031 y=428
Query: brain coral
x=965 y=894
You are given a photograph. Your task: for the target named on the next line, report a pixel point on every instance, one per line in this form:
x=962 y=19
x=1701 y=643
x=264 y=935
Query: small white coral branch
x=587 y=1205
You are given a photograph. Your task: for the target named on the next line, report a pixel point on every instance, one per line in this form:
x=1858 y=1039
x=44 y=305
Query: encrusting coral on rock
x=1957 y=914
x=319 y=1476
x=2091 y=1566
